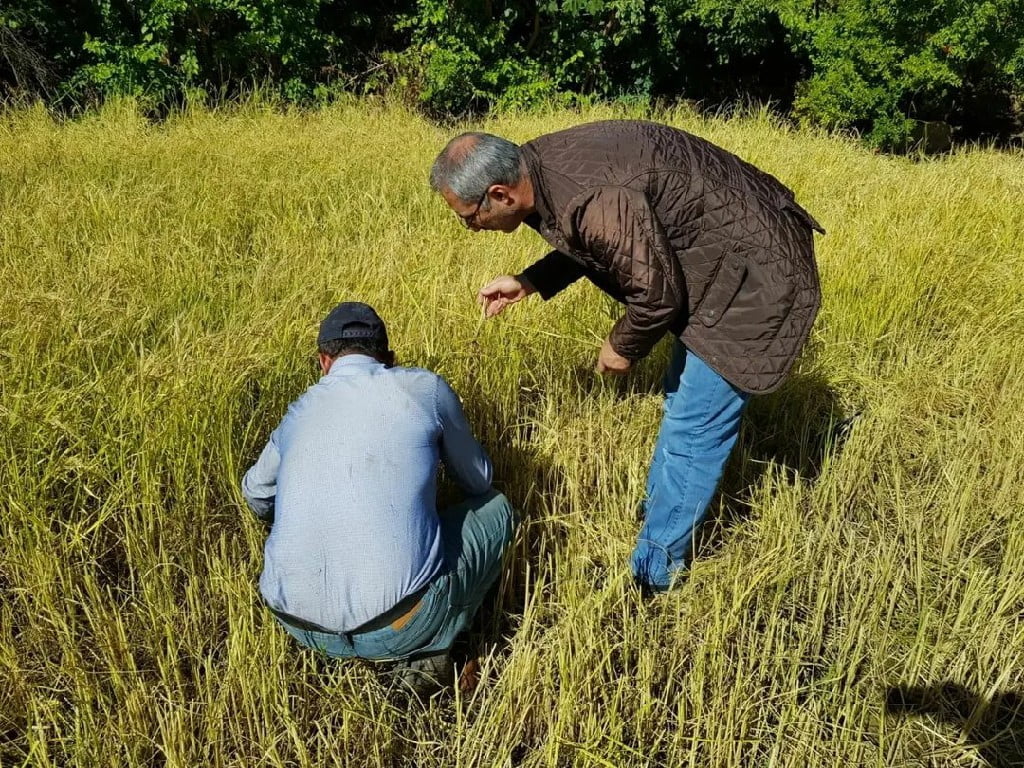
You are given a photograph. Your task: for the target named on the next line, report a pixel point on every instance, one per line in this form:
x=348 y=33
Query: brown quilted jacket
x=693 y=240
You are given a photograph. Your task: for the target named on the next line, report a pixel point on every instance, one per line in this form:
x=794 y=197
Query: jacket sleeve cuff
x=631 y=344
x=552 y=274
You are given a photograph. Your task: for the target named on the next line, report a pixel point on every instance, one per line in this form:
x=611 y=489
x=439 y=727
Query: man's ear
x=500 y=193
x=325 y=363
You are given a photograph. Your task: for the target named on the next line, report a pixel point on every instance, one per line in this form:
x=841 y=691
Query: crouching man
x=359 y=562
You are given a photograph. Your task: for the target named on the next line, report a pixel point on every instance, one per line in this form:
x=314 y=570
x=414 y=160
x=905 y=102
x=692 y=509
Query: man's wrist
x=611 y=345
x=528 y=286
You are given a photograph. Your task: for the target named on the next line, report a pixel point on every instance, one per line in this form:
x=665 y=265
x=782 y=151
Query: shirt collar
x=349 y=364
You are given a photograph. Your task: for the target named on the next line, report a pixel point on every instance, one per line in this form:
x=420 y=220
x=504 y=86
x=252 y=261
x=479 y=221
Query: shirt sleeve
x=462 y=454
x=553 y=274
x=259 y=486
x=618 y=227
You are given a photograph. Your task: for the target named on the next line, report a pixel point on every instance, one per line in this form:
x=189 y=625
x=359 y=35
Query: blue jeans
x=698 y=430
x=475 y=535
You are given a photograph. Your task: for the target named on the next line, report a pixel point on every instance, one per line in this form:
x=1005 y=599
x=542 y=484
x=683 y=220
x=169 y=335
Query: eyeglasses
x=468 y=219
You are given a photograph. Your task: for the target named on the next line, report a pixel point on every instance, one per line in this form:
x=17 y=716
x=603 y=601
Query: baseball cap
x=352 y=320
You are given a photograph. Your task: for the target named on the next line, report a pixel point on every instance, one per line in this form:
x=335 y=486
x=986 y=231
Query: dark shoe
x=424 y=676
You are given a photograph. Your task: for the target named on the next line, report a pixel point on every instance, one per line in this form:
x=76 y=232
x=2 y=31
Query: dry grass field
x=859 y=594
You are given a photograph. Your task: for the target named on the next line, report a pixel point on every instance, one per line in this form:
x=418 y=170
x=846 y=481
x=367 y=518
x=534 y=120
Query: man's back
x=704 y=244
x=355 y=525
x=664 y=161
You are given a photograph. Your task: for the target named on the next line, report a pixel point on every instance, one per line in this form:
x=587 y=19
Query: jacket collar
x=541 y=203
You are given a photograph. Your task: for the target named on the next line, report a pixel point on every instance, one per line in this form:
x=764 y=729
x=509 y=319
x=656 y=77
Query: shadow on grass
x=794 y=428
x=526 y=479
x=794 y=431
x=994 y=727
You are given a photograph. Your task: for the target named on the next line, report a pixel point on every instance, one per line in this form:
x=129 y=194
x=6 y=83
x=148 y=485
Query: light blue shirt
x=349 y=482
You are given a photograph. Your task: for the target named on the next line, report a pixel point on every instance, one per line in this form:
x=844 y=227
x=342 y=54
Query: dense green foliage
x=878 y=66
x=165 y=48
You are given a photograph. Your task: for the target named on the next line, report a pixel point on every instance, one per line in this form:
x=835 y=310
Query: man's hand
x=502 y=291
x=611 y=362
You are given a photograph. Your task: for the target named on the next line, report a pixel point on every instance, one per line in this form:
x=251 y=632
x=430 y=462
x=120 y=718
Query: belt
x=396 y=617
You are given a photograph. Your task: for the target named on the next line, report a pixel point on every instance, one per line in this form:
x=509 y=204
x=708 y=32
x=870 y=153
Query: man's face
x=497 y=210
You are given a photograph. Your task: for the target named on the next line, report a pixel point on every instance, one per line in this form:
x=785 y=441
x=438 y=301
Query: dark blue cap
x=352 y=320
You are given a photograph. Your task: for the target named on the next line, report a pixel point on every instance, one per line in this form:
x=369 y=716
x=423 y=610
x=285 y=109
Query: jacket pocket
x=723 y=289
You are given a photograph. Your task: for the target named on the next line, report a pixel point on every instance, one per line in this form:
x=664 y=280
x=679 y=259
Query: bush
x=882 y=65
x=879 y=67
x=162 y=48
x=41 y=43
x=470 y=55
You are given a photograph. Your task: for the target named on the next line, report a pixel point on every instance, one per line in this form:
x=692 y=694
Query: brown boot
x=425 y=675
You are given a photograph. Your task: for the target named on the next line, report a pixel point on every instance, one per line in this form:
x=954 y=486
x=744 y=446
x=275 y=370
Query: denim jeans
x=698 y=430
x=475 y=535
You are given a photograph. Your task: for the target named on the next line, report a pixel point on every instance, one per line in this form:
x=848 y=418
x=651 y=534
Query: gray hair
x=472 y=162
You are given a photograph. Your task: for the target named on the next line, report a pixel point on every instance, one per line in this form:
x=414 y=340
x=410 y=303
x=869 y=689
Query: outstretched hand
x=501 y=292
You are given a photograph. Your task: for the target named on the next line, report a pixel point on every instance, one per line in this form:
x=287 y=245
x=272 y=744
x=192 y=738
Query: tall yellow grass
x=161 y=286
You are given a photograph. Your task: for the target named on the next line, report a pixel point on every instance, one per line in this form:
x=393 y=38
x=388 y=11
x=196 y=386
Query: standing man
x=695 y=242
x=359 y=562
